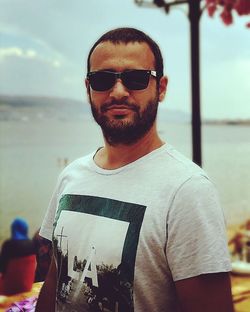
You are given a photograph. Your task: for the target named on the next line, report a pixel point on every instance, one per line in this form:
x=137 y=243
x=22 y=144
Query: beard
x=118 y=130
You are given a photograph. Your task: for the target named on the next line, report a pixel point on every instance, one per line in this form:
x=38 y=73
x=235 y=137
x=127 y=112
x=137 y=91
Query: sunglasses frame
x=119 y=75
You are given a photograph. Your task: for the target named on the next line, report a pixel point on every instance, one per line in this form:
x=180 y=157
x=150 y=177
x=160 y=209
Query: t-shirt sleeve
x=46 y=229
x=196 y=242
x=47 y=226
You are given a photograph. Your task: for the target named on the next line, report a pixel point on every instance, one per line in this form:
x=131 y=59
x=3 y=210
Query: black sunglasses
x=136 y=79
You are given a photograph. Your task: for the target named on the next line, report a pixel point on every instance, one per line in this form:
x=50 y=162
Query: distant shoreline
x=25 y=108
x=228 y=122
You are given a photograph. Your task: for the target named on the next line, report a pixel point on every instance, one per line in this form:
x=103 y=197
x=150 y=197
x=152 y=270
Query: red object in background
x=211 y=8
x=226 y=16
x=242 y=7
x=19 y=275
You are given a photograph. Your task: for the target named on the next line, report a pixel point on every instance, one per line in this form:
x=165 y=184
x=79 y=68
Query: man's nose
x=119 y=91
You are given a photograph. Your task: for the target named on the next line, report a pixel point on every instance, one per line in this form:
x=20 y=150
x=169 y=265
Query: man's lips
x=119 y=109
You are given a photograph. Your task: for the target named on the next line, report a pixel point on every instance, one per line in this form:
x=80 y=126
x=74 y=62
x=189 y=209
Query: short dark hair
x=126 y=35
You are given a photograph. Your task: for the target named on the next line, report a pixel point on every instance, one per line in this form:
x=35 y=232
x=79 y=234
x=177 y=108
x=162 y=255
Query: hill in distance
x=25 y=108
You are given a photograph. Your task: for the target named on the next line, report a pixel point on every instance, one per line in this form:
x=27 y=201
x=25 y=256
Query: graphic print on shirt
x=96 y=241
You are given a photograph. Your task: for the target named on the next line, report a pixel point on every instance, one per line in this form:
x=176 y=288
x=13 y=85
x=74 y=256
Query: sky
x=44 y=45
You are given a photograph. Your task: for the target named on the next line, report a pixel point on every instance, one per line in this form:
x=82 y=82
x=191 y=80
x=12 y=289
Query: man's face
x=124 y=115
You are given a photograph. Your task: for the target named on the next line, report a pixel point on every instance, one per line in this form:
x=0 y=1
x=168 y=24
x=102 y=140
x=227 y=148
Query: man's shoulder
x=174 y=163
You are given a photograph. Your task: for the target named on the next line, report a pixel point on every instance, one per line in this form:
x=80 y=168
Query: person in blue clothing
x=18 y=245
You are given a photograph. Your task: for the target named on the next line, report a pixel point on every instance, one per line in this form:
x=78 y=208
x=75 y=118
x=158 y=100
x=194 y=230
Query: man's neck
x=113 y=157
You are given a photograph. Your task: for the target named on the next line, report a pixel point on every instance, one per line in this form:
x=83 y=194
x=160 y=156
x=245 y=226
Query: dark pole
x=194 y=17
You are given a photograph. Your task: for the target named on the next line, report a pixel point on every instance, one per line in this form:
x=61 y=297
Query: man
x=137 y=226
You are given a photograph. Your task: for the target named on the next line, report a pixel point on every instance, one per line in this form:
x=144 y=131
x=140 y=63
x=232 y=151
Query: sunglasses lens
x=136 y=79
x=133 y=80
x=101 y=81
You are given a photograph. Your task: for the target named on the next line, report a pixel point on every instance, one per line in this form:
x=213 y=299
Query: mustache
x=107 y=106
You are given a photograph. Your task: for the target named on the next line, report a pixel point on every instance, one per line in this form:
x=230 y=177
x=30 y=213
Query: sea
x=33 y=153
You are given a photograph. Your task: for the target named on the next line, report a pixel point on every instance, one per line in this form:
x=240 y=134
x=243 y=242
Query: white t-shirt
x=122 y=237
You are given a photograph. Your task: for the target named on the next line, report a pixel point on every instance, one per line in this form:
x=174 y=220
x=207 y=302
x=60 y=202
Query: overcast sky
x=44 y=45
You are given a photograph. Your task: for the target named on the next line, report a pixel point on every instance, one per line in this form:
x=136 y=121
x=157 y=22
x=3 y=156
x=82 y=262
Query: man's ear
x=87 y=87
x=163 y=87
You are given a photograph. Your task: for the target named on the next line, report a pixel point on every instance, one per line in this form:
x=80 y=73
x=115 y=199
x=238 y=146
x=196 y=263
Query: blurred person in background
x=17 y=260
x=240 y=242
x=18 y=245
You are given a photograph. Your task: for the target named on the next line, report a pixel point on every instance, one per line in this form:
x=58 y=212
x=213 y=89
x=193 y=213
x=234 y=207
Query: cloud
x=34 y=76
x=18 y=52
x=56 y=64
x=27 y=54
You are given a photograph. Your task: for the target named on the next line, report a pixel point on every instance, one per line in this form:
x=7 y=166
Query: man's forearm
x=47 y=296
x=208 y=293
